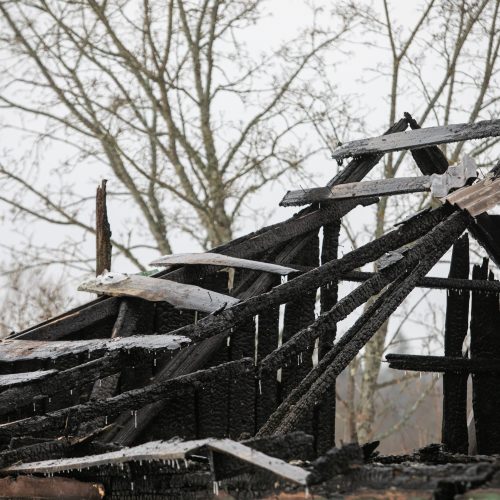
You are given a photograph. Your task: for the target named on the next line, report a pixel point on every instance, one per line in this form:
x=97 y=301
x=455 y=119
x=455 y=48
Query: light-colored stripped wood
x=217 y=259
x=179 y=295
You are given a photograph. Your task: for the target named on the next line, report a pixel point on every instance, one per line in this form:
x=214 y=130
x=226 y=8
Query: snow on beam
x=173 y=450
x=12 y=350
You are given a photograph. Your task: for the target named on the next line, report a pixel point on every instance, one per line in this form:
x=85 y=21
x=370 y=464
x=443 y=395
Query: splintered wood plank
x=217 y=259
x=179 y=295
x=258 y=459
x=154 y=450
x=12 y=350
x=350 y=190
x=420 y=138
x=19 y=379
x=170 y=450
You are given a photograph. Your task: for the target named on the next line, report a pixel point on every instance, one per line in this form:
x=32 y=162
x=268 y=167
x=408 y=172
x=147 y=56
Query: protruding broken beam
x=102 y=231
x=439 y=185
x=217 y=259
x=158 y=290
x=420 y=138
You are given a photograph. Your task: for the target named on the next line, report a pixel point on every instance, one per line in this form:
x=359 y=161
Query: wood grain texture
x=179 y=295
x=420 y=138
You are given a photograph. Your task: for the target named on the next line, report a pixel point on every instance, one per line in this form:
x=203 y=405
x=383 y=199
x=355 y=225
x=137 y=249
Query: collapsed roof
x=182 y=365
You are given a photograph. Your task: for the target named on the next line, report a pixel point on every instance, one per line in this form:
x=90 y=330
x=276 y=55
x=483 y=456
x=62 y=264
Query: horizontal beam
x=434 y=282
x=418 y=139
x=442 y=364
x=353 y=190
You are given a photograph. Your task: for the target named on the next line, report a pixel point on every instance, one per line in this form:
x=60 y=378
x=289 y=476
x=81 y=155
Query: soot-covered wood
x=454 y=428
x=485 y=343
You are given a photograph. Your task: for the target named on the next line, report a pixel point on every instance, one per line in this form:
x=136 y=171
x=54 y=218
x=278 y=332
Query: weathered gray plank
x=12 y=350
x=400 y=185
x=217 y=259
x=439 y=185
x=19 y=379
x=420 y=138
x=158 y=290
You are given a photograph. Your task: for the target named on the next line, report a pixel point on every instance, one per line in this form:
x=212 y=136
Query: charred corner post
x=177 y=385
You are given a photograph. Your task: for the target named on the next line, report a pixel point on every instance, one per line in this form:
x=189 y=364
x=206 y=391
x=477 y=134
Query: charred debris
x=166 y=386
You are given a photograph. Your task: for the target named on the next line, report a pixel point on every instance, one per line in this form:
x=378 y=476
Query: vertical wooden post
x=454 y=428
x=299 y=313
x=325 y=412
x=485 y=343
x=103 y=231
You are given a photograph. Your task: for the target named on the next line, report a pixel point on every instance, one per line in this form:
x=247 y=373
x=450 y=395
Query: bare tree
x=168 y=96
x=446 y=66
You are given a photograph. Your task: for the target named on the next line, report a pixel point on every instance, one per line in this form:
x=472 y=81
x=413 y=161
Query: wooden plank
x=154 y=450
x=12 y=350
x=217 y=259
x=170 y=450
x=352 y=190
x=179 y=295
x=258 y=459
x=21 y=379
x=420 y=138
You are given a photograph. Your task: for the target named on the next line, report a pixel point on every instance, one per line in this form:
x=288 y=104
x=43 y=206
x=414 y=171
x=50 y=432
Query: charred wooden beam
x=317 y=277
x=67 y=418
x=419 y=138
x=187 y=361
x=486 y=231
x=454 y=428
x=435 y=282
x=103 y=231
x=358 y=168
x=430 y=160
x=485 y=343
x=55 y=353
x=338 y=312
x=429 y=249
x=60 y=382
x=324 y=417
x=354 y=190
x=442 y=364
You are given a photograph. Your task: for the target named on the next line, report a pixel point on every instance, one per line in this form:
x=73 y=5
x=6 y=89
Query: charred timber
x=68 y=418
x=333 y=363
x=317 y=277
x=442 y=364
